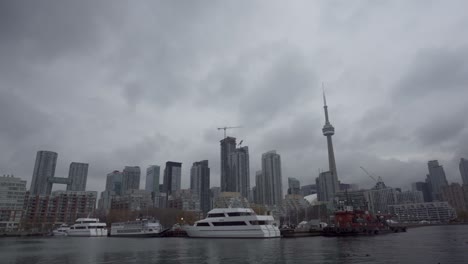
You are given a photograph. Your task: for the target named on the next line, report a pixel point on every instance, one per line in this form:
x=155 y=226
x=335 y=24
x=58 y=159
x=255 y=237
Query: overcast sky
x=115 y=83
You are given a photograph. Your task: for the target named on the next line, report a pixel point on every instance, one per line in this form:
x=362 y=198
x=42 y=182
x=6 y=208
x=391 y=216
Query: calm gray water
x=441 y=244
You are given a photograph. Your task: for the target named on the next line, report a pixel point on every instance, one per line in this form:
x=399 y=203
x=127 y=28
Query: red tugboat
x=351 y=222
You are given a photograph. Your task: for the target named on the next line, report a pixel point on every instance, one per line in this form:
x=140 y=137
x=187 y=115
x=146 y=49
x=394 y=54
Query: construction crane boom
x=368 y=174
x=226 y=127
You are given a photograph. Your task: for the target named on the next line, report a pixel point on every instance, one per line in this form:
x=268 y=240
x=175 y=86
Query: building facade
x=228 y=183
x=44 y=170
x=172 y=177
x=152 y=179
x=78 y=175
x=12 y=195
x=463 y=166
x=327 y=186
x=131 y=178
x=259 y=188
x=436 y=179
x=424 y=188
x=114 y=182
x=434 y=211
x=294 y=186
x=454 y=195
x=200 y=184
x=240 y=170
x=308 y=189
x=132 y=200
x=410 y=197
x=272 y=178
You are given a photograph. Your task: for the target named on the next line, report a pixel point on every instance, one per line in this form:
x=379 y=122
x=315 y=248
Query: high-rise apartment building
x=327 y=186
x=200 y=184
x=77 y=174
x=172 y=177
x=454 y=195
x=463 y=166
x=424 y=188
x=259 y=188
x=228 y=183
x=240 y=170
x=272 y=178
x=44 y=168
x=436 y=179
x=114 y=182
x=294 y=186
x=152 y=179
x=131 y=178
x=12 y=195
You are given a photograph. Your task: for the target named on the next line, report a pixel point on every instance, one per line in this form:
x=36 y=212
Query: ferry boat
x=234 y=223
x=88 y=227
x=138 y=228
x=61 y=230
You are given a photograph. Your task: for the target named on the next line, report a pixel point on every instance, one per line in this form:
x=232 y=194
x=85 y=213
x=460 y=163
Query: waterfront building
x=132 y=200
x=424 y=188
x=172 y=177
x=380 y=197
x=240 y=170
x=454 y=195
x=77 y=174
x=228 y=183
x=327 y=186
x=348 y=187
x=328 y=130
x=152 y=179
x=308 y=189
x=44 y=211
x=114 y=182
x=259 y=188
x=294 y=186
x=272 y=179
x=200 y=184
x=463 y=166
x=12 y=195
x=433 y=211
x=436 y=179
x=105 y=202
x=184 y=200
x=410 y=197
x=357 y=199
x=130 y=178
x=44 y=168
x=231 y=199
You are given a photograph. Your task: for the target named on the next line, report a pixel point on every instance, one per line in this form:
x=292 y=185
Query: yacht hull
x=233 y=232
x=94 y=232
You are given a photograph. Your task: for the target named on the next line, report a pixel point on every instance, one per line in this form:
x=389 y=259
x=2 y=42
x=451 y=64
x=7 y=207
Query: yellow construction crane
x=226 y=127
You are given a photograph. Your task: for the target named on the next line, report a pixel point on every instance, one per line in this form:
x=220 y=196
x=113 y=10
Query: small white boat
x=88 y=227
x=234 y=223
x=61 y=230
x=138 y=228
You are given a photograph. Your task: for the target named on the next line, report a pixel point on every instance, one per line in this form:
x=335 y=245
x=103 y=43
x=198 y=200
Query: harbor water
x=434 y=244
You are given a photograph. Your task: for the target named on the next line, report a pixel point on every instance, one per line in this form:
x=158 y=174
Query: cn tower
x=328 y=131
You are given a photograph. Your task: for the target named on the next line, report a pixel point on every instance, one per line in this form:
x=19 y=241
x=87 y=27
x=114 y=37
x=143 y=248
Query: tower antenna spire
x=324 y=98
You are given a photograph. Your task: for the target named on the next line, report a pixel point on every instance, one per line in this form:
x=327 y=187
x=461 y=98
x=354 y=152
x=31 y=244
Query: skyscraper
x=172 y=175
x=44 y=168
x=424 y=188
x=131 y=178
x=152 y=179
x=260 y=188
x=436 y=179
x=200 y=184
x=114 y=182
x=327 y=186
x=271 y=173
x=464 y=170
x=228 y=183
x=294 y=186
x=240 y=170
x=328 y=131
x=78 y=174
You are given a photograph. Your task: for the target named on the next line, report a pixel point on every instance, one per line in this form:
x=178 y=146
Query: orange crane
x=226 y=127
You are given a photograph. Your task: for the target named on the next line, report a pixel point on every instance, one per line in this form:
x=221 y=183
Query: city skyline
x=110 y=96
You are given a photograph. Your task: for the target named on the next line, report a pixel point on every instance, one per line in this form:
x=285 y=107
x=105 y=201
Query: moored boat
x=234 y=223
x=88 y=227
x=137 y=228
x=61 y=230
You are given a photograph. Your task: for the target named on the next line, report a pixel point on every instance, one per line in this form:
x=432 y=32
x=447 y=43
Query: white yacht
x=88 y=227
x=61 y=230
x=234 y=223
x=138 y=228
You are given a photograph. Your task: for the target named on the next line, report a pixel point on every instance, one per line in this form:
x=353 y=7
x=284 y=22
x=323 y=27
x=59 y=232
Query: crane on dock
x=226 y=127
x=379 y=184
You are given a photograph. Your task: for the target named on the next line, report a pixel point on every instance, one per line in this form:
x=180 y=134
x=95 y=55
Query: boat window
x=258 y=222
x=203 y=224
x=216 y=215
x=239 y=214
x=80 y=227
x=233 y=223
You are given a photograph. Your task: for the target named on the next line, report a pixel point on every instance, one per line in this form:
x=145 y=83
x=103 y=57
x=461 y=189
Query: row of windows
x=85 y=227
x=230 y=214
x=129 y=231
x=232 y=223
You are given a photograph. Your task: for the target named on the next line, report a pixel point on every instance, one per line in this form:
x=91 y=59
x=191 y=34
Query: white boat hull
x=92 y=232
x=261 y=231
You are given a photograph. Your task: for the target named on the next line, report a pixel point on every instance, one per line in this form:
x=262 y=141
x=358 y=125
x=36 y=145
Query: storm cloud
x=116 y=83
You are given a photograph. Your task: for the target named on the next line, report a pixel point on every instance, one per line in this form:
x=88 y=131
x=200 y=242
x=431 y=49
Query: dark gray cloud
x=115 y=83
